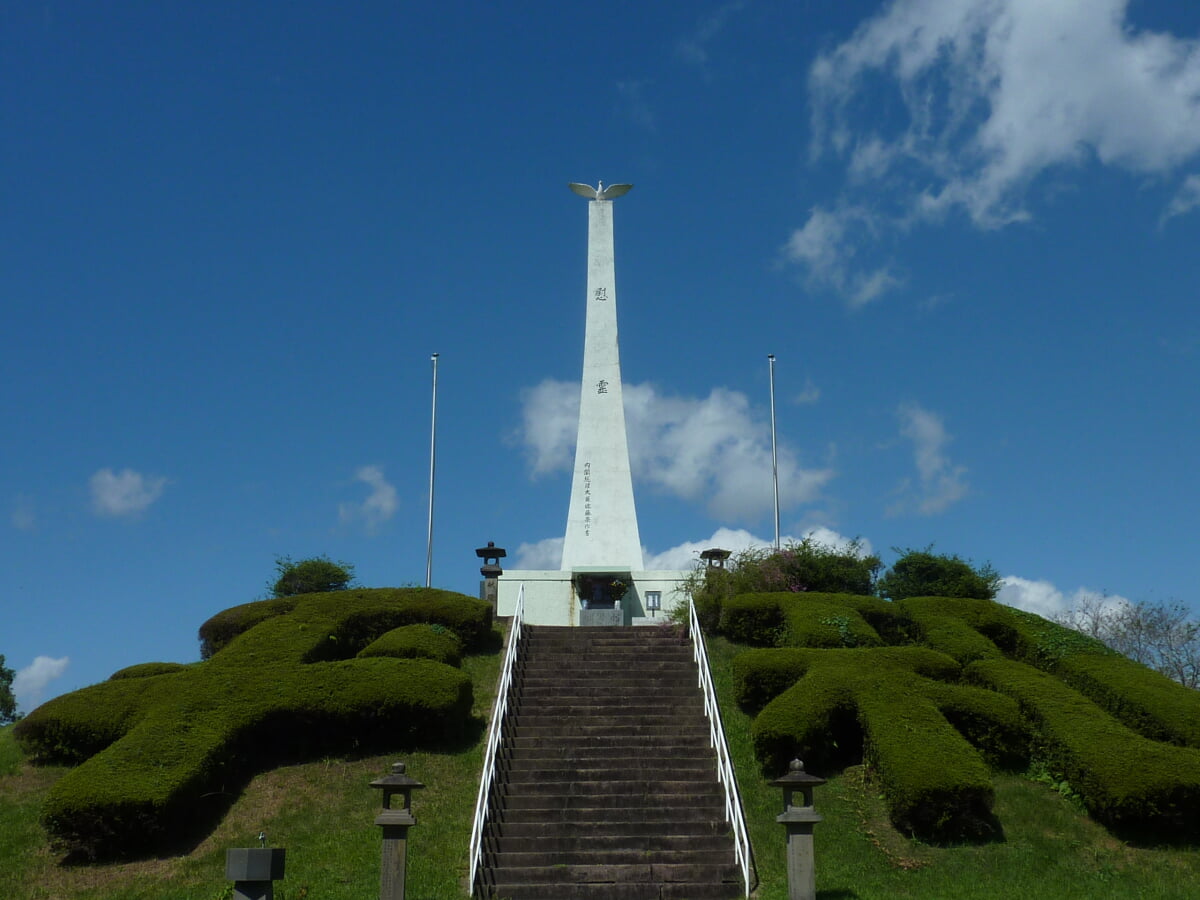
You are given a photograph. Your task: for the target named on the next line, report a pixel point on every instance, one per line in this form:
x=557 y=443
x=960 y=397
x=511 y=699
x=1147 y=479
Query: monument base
x=551 y=597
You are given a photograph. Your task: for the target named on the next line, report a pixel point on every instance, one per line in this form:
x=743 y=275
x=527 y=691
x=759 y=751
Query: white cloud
x=636 y=106
x=545 y=554
x=1185 y=200
x=684 y=556
x=23 y=517
x=1046 y=600
x=809 y=395
x=29 y=685
x=693 y=47
x=826 y=247
x=379 y=506
x=124 y=494
x=940 y=483
x=711 y=449
x=549 y=422
x=992 y=97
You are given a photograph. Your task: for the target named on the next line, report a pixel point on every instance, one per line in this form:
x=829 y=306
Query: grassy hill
x=323 y=813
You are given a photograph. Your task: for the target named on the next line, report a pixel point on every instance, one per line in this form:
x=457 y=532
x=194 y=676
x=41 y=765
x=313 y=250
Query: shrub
x=222 y=628
x=761 y=675
x=144 y=670
x=162 y=751
x=754 y=619
x=935 y=784
x=417 y=642
x=922 y=573
x=1136 y=786
x=825 y=620
x=947 y=633
x=807 y=566
x=800 y=620
x=315 y=575
x=1149 y=702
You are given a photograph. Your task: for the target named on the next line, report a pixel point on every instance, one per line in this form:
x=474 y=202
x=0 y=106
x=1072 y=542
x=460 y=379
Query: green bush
x=144 y=670
x=315 y=575
x=761 y=675
x=922 y=573
x=947 y=633
x=72 y=727
x=164 y=751
x=783 y=618
x=417 y=642
x=824 y=620
x=879 y=702
x=217 y=632
x=804 y=567
x=1138 y=787
x=755 y=619
x=1146 y=701
x=991 y=722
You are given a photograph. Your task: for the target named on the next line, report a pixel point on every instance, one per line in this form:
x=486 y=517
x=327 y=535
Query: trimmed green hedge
x=1144 y=700
x=222 y=628
x=947 y=633
x=755 y=619
x=143 y=670
x=166 y=750
x=417 y=642
x=937 y=787
x=916 y=721
x=808 y=619
x=1130 y=783
x=1147 y=701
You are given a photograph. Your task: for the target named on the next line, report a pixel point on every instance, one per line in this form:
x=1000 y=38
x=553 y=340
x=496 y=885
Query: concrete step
x=632 y=832
x=710 y=813
x=650 y=873
x=579 y=797
x=613 y=891
x=696 y=843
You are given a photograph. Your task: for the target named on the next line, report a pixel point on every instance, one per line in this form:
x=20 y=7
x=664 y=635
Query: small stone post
x=395 y=823
x=490 y=570
x=799 y=820
x=253 y=871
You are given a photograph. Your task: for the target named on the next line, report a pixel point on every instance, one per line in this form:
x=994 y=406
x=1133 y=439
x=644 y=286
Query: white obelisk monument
x=600 y=580
x=602 y=527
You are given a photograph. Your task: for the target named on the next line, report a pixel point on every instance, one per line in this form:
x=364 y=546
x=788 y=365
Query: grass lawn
x=323 y=813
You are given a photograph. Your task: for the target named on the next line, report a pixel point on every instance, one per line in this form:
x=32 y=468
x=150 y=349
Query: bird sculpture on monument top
x=600 y=192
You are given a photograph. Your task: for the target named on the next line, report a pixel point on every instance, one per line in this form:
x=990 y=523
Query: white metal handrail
x=716 y=736
x=499 y=709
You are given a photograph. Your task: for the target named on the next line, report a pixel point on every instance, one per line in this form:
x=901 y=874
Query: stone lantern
x=490 y=570
x=799 y=819
x=395 y=822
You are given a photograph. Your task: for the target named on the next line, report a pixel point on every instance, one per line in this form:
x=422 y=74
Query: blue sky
x=233 y=234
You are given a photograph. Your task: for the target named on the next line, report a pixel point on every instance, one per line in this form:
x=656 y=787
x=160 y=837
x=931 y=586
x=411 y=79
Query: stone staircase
x=607 y=787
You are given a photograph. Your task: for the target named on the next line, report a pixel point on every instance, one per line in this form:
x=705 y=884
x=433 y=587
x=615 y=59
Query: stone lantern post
x=395 y=822
x=799 y=819
x=490 y=570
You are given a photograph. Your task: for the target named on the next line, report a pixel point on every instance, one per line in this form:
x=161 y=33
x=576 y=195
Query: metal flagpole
x=432 y=469
x=774 y=455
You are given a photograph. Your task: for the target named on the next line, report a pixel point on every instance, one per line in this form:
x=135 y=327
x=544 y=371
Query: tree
x=804 y=566
x=923 y=573
x=315 y=575
x=1162 y=636
x=8 y=703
